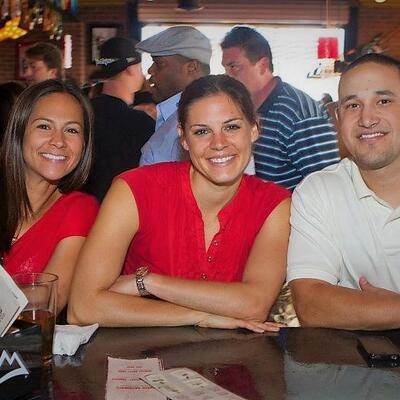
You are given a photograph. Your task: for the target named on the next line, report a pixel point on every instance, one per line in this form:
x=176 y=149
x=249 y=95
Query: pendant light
x=189 y=5
x=328 y=47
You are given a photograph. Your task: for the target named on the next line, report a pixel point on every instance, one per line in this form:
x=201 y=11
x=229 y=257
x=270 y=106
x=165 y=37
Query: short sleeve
x=268 y=195
x=277 y=194
x=79 y=215
x=312 y=251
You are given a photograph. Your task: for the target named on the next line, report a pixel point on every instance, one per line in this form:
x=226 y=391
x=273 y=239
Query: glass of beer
x=41 y=291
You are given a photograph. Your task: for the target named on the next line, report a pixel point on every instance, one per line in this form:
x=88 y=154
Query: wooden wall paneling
x=238 y=11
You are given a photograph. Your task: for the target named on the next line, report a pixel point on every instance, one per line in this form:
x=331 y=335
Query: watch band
x=141 y=272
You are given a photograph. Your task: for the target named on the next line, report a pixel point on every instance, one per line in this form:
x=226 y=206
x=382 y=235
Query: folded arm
x=93 y=296
x=250 y=299
x=321 y=304
x=317 y=265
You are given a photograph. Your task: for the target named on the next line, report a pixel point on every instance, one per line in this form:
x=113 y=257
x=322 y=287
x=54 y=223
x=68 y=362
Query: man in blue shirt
x=296 y=136
x=181 y=54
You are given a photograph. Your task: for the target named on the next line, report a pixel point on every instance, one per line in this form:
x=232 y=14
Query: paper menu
x=124 y=379
x=185 y=384
x=12 y=301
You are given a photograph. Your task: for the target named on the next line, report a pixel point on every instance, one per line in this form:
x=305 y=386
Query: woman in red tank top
x=199 y=242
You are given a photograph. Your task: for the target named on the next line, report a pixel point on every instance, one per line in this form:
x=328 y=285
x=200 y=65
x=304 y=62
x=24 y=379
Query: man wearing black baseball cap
x=119 y=131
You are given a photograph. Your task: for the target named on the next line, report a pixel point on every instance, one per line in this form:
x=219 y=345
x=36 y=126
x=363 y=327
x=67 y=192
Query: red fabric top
x=170 y=239
x=71 y=215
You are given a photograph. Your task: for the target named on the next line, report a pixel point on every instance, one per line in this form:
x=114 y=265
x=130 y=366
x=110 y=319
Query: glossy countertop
x=297 y=363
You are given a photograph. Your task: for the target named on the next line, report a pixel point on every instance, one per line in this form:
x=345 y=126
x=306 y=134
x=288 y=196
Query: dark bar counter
x=297 y=363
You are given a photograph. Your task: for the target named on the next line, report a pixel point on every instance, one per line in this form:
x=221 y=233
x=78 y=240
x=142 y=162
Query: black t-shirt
x=119 y=134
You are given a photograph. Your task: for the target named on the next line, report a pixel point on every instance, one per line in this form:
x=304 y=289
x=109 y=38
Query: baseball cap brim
x=111 y=69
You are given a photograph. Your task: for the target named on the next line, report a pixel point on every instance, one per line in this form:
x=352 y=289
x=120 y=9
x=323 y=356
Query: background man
x=296 y=135
x=181 y=54
x=119 y=131
x=43 y=61
x=344 y=250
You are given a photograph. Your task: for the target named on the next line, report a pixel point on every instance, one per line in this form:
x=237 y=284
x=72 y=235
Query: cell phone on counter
x=379 y=351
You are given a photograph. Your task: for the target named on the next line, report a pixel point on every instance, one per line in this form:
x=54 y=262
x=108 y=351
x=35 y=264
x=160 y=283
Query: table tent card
x=124 y=379
x=186 y=384
x=12 y=301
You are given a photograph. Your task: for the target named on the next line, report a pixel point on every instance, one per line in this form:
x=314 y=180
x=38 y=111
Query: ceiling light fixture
x=328 y=47
x=189 y=5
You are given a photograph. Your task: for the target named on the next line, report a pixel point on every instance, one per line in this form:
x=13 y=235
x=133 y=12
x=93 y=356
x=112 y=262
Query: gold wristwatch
x=140 y=273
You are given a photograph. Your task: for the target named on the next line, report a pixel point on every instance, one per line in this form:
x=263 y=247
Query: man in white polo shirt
x=344 y=250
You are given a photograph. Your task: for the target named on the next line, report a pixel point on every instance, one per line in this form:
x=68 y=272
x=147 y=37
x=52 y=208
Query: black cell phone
x=379 y=351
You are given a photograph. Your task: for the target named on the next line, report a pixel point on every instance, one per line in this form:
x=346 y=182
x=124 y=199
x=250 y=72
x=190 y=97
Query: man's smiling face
x=369 y=114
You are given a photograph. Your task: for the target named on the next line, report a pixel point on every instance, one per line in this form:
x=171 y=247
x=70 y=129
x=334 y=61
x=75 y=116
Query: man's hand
x=367 y=288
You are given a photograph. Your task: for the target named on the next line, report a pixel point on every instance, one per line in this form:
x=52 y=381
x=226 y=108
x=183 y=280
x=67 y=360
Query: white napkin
x=67 y=338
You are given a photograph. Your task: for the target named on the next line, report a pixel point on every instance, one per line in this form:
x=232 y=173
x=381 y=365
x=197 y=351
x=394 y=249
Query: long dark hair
x=9 y=92
x=14 y=201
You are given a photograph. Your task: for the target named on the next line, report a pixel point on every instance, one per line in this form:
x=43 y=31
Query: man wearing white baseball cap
x=181 y=54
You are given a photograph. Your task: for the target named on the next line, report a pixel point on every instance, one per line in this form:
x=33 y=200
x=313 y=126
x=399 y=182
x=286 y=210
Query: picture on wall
x=20 y=64
x=98 y=34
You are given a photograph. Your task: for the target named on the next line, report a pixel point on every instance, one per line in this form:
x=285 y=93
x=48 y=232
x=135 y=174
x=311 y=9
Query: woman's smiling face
x=219 y=138
x=54 y=138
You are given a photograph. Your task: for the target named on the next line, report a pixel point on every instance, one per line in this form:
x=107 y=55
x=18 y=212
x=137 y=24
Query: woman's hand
x=217 y=321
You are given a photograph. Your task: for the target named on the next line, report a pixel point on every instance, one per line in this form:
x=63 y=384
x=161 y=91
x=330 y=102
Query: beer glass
x=41 y=291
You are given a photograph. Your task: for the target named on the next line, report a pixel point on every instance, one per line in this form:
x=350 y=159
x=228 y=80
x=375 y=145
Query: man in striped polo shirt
x=296 y=137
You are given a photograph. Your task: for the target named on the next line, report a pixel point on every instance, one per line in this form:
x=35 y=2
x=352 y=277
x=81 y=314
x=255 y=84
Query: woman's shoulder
x=75 y=206
x=164 y=172
x=76 y=212
x=79 y=200
x=260 y=187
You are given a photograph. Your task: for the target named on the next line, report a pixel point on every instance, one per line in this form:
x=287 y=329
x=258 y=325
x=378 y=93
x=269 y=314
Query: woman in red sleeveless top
x=44 y=159
x=197 y=242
